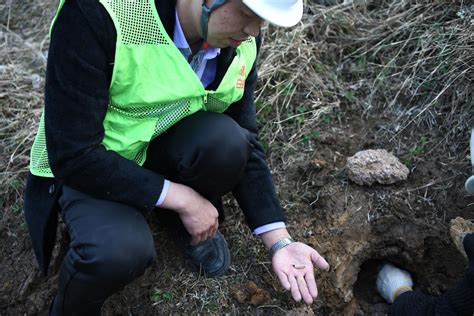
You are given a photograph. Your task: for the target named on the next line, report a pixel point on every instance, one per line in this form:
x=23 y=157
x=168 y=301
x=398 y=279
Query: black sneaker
x=211 y=256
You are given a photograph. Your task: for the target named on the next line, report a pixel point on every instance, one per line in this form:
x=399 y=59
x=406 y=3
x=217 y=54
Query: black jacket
x=80 y=64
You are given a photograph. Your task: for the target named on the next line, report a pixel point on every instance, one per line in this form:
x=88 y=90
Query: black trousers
x=111 y=243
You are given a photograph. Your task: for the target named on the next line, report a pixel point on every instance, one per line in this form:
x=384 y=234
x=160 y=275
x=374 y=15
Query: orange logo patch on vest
x=241 y=82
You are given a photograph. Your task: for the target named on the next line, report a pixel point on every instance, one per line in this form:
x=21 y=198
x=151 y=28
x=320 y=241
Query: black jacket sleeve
x=419 y=304
x=458 y=301
x=77 y=82
x=255 y=193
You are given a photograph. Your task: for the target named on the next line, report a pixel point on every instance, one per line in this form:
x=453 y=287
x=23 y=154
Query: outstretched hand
x=293 y=265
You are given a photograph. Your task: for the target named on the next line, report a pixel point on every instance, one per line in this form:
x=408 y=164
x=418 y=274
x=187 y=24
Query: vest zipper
x=204 y=100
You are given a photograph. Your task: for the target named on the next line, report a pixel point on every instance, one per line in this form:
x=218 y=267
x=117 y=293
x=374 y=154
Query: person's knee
x=126 y=259
x=118 y=259
x=206 y=151
x=228 y=149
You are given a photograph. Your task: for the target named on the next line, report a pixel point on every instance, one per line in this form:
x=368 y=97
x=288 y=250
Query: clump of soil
x=251 y=294
x=458 y=228
x=375 y=166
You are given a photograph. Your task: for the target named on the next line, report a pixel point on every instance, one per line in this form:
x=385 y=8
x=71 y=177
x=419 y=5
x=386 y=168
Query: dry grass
x=23 y=49
x=407 y=65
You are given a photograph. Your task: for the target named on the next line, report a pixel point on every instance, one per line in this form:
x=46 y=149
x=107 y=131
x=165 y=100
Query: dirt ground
x=355 y=227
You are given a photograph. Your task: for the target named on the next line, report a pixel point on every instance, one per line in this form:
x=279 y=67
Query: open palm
x=293 y=265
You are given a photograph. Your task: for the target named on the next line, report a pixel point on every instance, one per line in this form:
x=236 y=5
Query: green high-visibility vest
x=152 y=86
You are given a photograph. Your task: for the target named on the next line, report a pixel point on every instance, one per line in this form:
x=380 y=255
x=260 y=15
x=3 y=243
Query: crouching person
x=149 y=107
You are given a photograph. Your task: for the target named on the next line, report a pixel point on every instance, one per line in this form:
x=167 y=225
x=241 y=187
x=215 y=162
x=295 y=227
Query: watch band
x=281 y=243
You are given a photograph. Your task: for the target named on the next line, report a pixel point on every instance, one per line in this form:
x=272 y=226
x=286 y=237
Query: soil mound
x=375 y=166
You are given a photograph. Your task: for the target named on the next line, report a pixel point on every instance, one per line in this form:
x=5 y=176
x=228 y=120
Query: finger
x=213 y=232
x=311 y=283
x=214 y=228
x=204 y=236
x=198 y=238
x=308 y=299
x=210 y=233
x=195 y=240
x=284 y=280
x=319 y=261
x=295 y=291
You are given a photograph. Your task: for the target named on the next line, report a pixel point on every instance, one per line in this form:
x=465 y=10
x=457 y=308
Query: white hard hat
x=284 y=13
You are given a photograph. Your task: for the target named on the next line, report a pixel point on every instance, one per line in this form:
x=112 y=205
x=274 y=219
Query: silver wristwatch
x=281 y=243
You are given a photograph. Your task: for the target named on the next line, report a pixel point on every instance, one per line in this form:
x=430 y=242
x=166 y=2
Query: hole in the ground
x=436 y=267
x=365 y=289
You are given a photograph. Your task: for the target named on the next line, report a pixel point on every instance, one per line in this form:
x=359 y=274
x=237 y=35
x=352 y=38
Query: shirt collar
x=180 y=41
